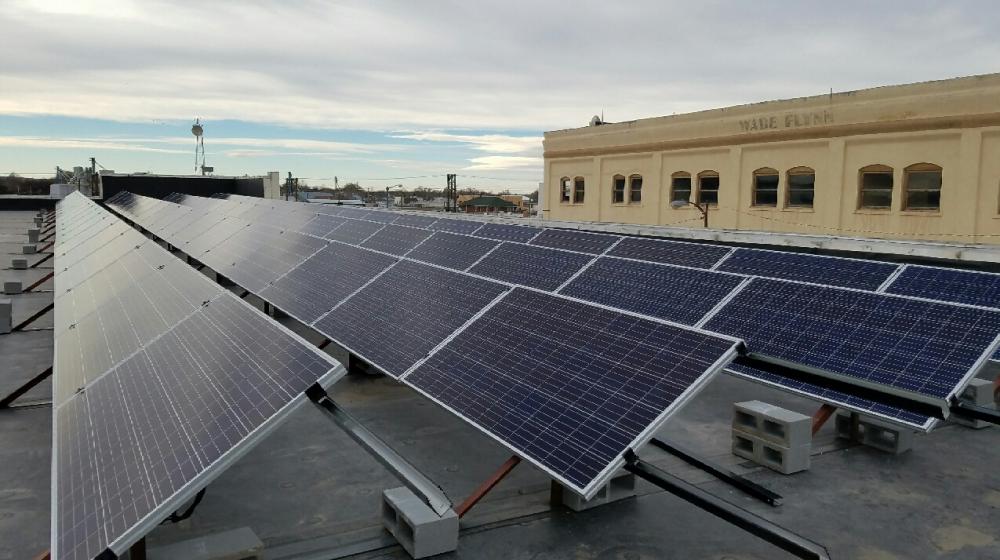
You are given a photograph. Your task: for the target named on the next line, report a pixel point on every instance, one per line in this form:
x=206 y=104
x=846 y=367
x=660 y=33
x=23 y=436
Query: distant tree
x=533 y=197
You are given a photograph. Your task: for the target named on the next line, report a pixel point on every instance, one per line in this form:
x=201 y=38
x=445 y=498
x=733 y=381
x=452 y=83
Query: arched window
x=618 y=189
x=578 y=188
x=922 y=187
x=765 y=187
x=801 y=187
x=680 y=186
x=635 y=188
x=564 y=189
x=875 y=187
x=708 y=187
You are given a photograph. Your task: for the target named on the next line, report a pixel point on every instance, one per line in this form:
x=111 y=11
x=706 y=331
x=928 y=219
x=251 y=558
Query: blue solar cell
x=945 y=284
x=545 y=269
x=398 y=318
x=451 y=250
x=455 y=226
x=833 y=271
x=695 y=255
x=381 y=217
x=396 y=240
x=354 y=231
x=414 y=220
x=506 y=232
x=324 y=280
x=823 y=394
x=922 y=347
x=567 y=385
x=668 y=292
x=573 y=240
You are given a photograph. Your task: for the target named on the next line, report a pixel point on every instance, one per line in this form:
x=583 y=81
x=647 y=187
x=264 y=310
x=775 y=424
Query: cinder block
x=980 y=393
x=38 y=221
x=419 y=530
x=237 y=544
x=12 y=287
x=33 y=234
x=29 y=249
x=773 y=423
x=6 y=314
x=875 y=433
x=620 y=487
x=786 y=460
x=19 y=263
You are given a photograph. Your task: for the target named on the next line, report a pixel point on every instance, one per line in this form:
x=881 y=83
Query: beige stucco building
x=919 y=161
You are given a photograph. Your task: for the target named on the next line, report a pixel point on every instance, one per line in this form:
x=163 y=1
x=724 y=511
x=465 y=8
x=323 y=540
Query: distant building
x=515 y=199
x=918 y=161
x=487 y=205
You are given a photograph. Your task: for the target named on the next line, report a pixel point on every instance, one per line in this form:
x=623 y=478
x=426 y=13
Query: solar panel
x=146 y=435
x=922 y=347
x=833 y=271
x=354 y=231
x=505 y=232
x=256 y=256
x=695 y=255
x=566 y=385
x=677 y=294
x=324 y=280
x=841 y=400
x=321 y=226
x=573 y=240
x=396 y=240
x=210 y=238
x=455 y=226
x=380 y=217
x=451 y=250
x=414 y=220
x=537 y=267
x=945 y=284
x=400 y=316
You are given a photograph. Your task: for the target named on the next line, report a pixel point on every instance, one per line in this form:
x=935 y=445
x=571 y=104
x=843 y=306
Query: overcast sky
x=378 y=90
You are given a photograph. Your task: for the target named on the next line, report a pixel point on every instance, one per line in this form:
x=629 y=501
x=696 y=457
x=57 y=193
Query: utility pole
x=451 y=194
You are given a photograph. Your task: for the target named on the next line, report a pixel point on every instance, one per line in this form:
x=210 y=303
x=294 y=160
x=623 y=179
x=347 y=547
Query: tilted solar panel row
x=161 y=379
x=408 y=318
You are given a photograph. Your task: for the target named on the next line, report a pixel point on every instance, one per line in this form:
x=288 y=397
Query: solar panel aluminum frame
x=156 y=516
x=642 y=439
x=926 y=427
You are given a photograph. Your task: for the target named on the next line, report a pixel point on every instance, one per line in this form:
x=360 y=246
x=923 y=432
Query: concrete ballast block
x=980 y=393
x=767 y=453
x=6 y=314
x=778 y=425
x=29 y=249
x=33 y=235
x=875 y=433
x=19 y=263
x=620 y=487
x=12 y=287
x=418 y=528
x=236 y=544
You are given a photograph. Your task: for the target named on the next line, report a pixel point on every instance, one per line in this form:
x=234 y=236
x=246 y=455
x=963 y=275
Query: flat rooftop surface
x=309 y=491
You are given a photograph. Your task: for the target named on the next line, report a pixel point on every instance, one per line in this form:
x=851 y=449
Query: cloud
x=495 y=143
x=494 y=163
x=81 y=143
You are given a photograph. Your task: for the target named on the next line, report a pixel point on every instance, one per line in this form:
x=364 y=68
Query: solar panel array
x=683 y=282
x=397 y=297
x=161 y=379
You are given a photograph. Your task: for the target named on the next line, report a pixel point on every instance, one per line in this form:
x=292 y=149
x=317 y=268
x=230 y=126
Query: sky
x=401 y=92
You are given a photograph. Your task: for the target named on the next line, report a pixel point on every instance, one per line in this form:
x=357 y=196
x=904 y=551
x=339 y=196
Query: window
x=801 y=187
x=708 y=188
x=876 y=187
x=680 y=186
x=765 y=187
x=578 y=190
x=635 y=188
x=564 y=189
x=922 y=184
x=618 y=190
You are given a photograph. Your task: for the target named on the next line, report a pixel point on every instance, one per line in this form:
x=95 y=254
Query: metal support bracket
x=725 y=475
x=480 y=492
x=40 y=281
x=17 y=393
x=411 y=477
x=821 y=416
x=784 y=539
x=975 y=412
x=41 y=260
x=20 y=326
